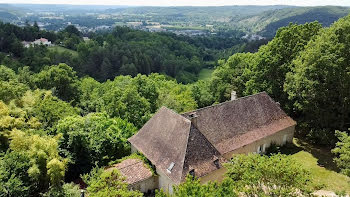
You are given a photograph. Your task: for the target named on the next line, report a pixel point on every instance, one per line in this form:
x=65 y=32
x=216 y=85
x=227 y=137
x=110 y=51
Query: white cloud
x=186 y=2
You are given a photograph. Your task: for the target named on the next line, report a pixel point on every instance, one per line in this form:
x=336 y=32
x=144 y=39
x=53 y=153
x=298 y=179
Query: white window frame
x=259 y=149
x=264 y=148
x=285 y=139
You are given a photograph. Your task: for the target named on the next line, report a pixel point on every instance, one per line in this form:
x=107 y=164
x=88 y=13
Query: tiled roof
x=247 y=119
x=194 y=140
x=133 y=169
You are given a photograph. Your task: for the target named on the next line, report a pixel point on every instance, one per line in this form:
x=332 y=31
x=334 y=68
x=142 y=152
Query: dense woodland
x=120 y=52
x=66 y=115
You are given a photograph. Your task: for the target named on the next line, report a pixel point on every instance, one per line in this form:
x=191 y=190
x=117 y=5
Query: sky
x=185 y=2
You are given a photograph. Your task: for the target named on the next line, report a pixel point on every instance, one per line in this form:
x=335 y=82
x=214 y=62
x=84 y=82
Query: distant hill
x=267 y=23
x=261 y=20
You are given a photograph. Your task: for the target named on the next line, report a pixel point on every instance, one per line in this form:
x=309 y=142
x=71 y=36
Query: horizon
x=180 y=3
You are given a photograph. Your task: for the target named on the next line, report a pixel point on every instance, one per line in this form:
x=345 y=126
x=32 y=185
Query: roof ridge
x=225 y=102
x=186 y=148
x=174 y=112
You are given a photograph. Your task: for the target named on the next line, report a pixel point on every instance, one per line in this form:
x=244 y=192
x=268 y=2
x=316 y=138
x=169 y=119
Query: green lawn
x=62 y=49
x=205 y=73
x=319 y=161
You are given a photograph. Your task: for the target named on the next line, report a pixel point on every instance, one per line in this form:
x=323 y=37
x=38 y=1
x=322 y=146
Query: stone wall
x=145 y=185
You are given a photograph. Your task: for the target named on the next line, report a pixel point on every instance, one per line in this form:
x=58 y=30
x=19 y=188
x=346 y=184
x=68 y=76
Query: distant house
x=26 y=44
x=41 y=41
x=200 y=141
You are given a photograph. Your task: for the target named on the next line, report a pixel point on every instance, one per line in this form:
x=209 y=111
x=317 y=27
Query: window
x=284 y=139
x=264 y=148
x=259 y=150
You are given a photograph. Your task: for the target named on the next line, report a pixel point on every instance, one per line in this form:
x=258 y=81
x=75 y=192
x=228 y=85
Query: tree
x=202 y=93
x=193 y=187
x=61 y=79
x=319 y=83
x=14 y=180
x=342 y=150
x=110 y=184
x=260 y=175
x=49 y=109
x=232 y=75
x=10 y=87
x=92 y=140
x=71 y=29
x=275 y=60
x=47 y=167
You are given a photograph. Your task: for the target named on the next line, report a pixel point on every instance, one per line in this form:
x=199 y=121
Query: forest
x=64 y=116
x=121 y=52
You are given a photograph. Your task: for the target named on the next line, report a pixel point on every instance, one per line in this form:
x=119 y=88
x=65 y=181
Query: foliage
x=110 y=184
x=202 y=93
x=342 y=150
x=318 y=82
x=193 y=187
x=10 y=86
x=93 y=139
x=277 y=175
x=232 y=75
x=274 y=60
x=67 y=190
x=61 y=79
x=46 y=167
x=14 y=180
x=134 y=99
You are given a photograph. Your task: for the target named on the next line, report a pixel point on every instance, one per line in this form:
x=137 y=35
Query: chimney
x=233 y=95
x=193 y=117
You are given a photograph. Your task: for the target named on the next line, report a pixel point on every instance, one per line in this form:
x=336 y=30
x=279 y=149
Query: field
x=205 y=73
x=319 y=161
x=62 y=49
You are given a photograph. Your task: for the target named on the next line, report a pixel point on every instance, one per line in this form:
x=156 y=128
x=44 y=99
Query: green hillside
x=267 y=23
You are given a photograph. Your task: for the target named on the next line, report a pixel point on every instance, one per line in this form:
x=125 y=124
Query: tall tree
x=320 y=81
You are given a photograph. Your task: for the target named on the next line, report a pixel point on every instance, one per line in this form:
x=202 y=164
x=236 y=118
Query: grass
x=205 y=73
x=62 y=49
x=319 y=161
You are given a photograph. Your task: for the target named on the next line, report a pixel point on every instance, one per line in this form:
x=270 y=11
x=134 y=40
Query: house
x=42 y=41
x=200 y=141
x=26 y=44
x=137 y=174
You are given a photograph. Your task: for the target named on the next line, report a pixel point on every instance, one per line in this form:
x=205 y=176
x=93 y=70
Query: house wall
x=217 y=175
x=145 y=185
x=133 y=149
x=280 y=138
x=164 y=182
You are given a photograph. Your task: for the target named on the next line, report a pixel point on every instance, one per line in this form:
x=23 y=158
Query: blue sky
x=186 y=2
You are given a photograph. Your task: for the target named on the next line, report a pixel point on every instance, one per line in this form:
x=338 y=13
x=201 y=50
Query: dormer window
x=171 y=166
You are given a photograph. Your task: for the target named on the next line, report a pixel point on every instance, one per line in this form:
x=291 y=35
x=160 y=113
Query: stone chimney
x=193 y=117
x=233 y=95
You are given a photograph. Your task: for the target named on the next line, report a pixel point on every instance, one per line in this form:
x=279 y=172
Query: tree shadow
x=323 y=155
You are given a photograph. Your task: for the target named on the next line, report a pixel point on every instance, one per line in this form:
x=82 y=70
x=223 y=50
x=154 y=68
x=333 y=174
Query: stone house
x=200 y=141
